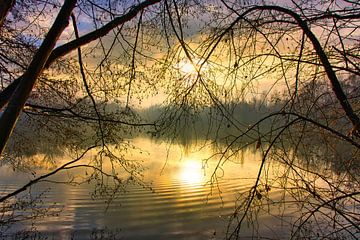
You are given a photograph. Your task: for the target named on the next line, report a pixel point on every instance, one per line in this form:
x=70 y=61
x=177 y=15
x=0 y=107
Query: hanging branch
x=86 y=85
x=133 y=67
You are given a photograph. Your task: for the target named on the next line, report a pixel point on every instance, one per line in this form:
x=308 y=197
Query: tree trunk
x=74 y=44
x=17 y=101
x=5 y=7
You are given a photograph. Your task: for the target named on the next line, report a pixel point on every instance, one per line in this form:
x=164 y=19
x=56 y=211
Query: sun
x=191 y=68
x=188 y=68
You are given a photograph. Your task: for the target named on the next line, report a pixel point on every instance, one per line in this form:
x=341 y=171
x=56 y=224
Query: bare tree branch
x=38 y=179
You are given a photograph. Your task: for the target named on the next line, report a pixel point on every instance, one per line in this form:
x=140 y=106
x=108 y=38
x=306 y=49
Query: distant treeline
x=184 y=124
x=50 y=132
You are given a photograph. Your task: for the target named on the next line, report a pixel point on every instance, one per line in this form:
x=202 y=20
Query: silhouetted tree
x=300 y=57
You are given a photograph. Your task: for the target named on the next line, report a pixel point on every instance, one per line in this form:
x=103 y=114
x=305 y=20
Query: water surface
x=180 y=197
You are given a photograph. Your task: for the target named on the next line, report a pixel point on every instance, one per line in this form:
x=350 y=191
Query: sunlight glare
x=191 y=172
x=186 y=67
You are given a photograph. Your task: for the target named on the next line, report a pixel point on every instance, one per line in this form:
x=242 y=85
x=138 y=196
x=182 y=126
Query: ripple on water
x=182 y=204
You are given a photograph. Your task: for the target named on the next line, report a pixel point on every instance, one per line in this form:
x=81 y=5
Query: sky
x=197 y=29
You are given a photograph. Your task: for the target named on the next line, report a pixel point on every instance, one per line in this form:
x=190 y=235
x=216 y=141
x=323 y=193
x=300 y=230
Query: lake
x=179 y=197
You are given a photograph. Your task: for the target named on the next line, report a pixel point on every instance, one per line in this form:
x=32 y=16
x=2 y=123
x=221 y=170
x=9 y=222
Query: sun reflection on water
x=183 y=203
x=191 y=172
